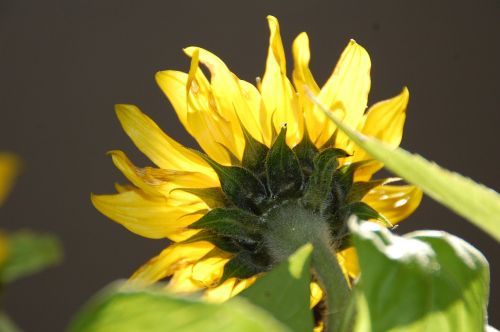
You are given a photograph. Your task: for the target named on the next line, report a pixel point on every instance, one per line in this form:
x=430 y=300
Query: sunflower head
x=274 y=171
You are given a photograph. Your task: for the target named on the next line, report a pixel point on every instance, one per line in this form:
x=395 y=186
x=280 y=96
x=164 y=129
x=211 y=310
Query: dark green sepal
x=305 y=152
x=318 y=194
x=239 y=185
x=283 y=171
x=241 y=266
x=220 y=242
x=233 y=223
x=255 y=153
x=232 y=158
x=213 y=196
x=364 y=212
x=343 y=180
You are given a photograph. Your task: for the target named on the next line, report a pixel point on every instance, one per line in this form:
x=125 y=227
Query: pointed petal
x=9 y=167
x=173 y=84
x=384 y=121
x=158 y=146
x=174 y=257
x=145 y=215
x=348 y=85
x=278 y=95
x=394 y=202
x=160 y=182
x=302 y=77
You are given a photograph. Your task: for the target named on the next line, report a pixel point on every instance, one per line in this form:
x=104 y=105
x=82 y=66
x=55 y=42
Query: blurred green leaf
x=128 y=310
x=6 y=325
x=424 y=281
x=475 y=202
x=28 y=253
x=284 y=292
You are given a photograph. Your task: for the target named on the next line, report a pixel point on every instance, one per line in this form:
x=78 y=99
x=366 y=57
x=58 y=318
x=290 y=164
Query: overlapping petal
x=278 y=95
x=215 y=112
x=148 y=216
x=348 y=86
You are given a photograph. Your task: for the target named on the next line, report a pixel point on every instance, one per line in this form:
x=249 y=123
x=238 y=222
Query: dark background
x=64 y=64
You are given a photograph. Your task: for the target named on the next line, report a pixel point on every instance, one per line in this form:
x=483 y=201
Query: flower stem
x=333 y=283
x=292 y=226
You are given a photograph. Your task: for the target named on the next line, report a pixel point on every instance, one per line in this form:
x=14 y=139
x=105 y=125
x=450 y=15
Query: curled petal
x=161 y=182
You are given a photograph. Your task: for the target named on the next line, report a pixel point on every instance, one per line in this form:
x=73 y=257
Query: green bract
x=273 y=187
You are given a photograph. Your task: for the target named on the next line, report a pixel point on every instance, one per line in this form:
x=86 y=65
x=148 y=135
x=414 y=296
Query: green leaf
x=6 y=324
x=129 y=310
x=475 y=202
x=426 y=280
x=284 y=291
x=29 y=253
x=284 y=174
x=241 y=187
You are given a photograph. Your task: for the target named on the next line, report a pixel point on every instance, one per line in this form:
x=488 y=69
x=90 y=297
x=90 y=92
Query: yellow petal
x=278 y=95
x=384 y=121
x=173 y=84
x=232 y=101
x=9 y=168
x=348 y=85
x=174 y=257
x=209 y=270
x=348 y=260
x=158 y=146
x=181 y=281
x=316 y=294
x=242 y=285
x=220 y=293
x=161 y=182
x=394 y=202
x=302 y=76
x=146 y=215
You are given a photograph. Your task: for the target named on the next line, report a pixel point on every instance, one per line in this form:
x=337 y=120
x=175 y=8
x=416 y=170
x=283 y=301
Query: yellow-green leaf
x=475 y=202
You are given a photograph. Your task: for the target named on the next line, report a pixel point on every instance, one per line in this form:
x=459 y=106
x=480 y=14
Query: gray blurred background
x=63 y=64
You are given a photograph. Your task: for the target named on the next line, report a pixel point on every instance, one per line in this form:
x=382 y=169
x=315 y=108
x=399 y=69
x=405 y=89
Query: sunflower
x=9 y=166
x=270 y=158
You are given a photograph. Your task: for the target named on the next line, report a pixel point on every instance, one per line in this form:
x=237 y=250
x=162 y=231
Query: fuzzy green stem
x=333 y=283
x=292 y=226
